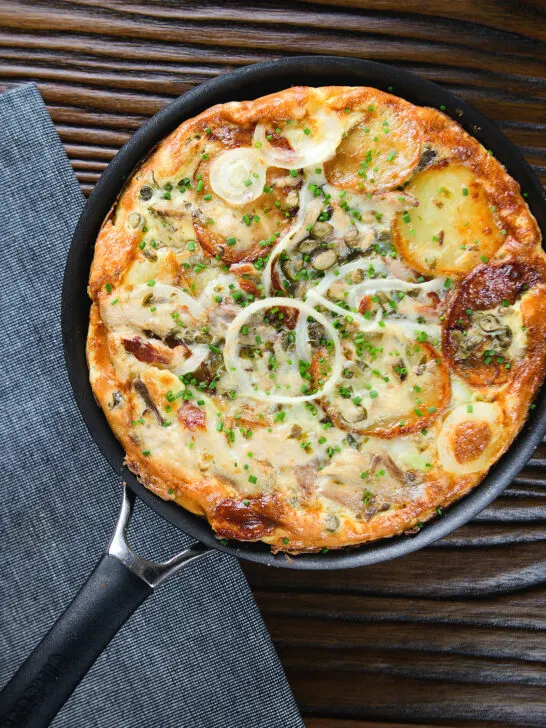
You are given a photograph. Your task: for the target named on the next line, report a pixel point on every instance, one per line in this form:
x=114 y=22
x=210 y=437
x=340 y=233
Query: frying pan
x=122 y=579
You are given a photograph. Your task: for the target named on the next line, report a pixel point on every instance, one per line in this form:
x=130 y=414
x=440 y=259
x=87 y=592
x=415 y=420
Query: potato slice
x=394 y=386
x=247 y=232
x=471 y=438
x=378 y=153
x=454 y=227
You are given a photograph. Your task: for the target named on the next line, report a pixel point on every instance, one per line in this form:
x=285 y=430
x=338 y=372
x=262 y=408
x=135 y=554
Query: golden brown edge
x=116 y=247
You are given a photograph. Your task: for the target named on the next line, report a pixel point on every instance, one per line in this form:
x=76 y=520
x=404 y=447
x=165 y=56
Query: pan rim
x=273 y=75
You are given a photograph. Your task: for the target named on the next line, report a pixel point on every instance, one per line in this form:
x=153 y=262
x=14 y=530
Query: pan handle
x=120 y=582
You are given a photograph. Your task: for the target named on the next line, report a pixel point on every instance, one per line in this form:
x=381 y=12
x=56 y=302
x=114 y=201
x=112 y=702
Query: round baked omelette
x=318 y=317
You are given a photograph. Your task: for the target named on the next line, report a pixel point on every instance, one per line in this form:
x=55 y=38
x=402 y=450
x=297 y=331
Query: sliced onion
x=339 y=273
x=234 y=365
x=312 y=148
x=390 y=284
x=317 y=300
x=219 y=284
x=375 y=325
x=358 y=290
x=238 y=175
x=302 y=338
x=309 y=211
x=199 y=354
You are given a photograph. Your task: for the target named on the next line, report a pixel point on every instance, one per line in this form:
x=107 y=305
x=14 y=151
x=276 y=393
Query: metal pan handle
x=118 y=585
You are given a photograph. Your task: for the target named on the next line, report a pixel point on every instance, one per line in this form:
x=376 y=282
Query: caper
x=504 y=338
x=307 y=246
x=285 y=340
x=351 y=237
x=321 y=230
x=467 y=344
x=489 y=323
x=357 y=276
x=247 y=352
x=324 y=260
x=315 y=332
x=291 y=267
x=135 y=220
x=332 y=522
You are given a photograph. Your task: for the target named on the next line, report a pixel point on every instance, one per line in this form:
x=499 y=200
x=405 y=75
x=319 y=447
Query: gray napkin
x=197 y=654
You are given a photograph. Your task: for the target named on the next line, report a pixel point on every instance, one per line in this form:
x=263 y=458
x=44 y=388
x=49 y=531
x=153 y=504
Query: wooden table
x=453 y=635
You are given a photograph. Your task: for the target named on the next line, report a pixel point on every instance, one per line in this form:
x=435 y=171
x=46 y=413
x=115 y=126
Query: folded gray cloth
x=197 y=654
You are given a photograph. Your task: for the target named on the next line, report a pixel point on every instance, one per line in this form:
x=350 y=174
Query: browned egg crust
x=318 y=317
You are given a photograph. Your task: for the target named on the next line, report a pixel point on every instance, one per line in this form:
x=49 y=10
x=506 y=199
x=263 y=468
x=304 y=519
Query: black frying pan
x=122 y=579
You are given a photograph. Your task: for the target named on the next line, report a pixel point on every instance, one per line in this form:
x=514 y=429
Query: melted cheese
x=334 y=394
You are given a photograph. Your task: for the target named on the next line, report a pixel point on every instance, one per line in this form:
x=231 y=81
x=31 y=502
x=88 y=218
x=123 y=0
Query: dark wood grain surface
x=453 y=635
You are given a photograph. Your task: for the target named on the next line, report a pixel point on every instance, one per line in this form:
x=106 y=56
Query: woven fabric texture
x=197 y=654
